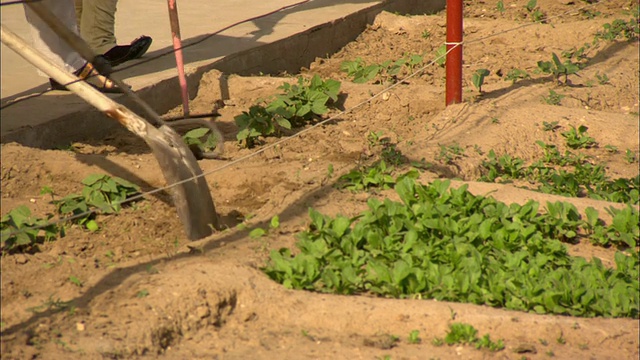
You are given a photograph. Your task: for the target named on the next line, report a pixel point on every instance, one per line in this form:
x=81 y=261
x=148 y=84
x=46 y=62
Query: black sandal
x=91 y=76
x=122 y=53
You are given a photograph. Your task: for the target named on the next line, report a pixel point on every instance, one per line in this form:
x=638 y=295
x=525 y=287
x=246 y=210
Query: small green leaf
x=257 y=233
x=92 y=225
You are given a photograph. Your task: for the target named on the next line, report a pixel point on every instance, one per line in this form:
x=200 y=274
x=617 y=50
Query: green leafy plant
x=628 y=30
x=500 y=6
x=20 y=230
x=536 y=14
x=101 y=192
x=448 y=154
x=441 y=57
x=550 y=126
x=447 y=244
x=414 y=337
x=359 y=71
x=554 y=98
x=300 y=103
x=426 y=34
x=558 y=68
x=258 y=122
x=75 y=281
x=630 y=156
x=569 y=175
x=516 y=74
x=195 y=136
x=376 y=176
x=478 y=78
x=578 y=138
x=386 y=72
x=602 y=79
x=305 y=100
x=460 y=333
x=590 y=14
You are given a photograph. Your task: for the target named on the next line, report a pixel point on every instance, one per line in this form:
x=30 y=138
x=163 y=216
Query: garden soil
x=137 y=288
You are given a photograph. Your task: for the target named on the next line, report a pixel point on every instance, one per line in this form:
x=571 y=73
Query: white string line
x=301 y=132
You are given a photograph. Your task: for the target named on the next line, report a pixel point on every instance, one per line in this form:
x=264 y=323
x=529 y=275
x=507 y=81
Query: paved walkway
x=150 y=17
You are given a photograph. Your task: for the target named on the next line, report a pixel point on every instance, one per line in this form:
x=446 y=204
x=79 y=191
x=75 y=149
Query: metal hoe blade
x=191 y=195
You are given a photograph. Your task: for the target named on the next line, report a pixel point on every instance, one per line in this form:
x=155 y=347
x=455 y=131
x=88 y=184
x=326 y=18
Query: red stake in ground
x=454 y=57
x=177 y=47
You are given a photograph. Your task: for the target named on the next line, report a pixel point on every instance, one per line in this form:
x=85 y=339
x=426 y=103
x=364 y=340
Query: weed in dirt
x=447 y=244
x=359 y=72
x=630 y=156
x=568 y=175
x=375 y=176
x=142 y=293
x=258 y=122
x=195 y=138
x=329 y=171
x=391 y=155
x=495 y=120
x=257 y=233
x=515 y=75
x=460 y=333
x=75 y=281
x=550 y=353
x=628 y=30
x=478 y=78
x=534 y=11
x=553 y=99
x=51 y=304
x=437 y=341
x=602 y=79
x=583 y=346
x=543 y=342
x=590 y=14
x=414 y=337
x=305 y=100
x=448 y=154
x=101 y=192
x=426 y=34
x=611 y=149
x=558 y=68
x=384 y=73
x=578 y=138
x=500 y=7
x=561 y=340
x=550 y=126
x=300 y=103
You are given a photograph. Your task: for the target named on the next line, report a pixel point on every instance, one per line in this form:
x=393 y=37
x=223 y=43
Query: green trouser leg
x=96 y=22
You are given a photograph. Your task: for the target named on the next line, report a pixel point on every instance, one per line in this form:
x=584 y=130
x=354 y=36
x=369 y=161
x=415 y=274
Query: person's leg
x=48 y=42
x=98 y=24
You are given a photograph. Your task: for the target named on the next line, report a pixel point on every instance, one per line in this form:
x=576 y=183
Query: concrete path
x=54 y=118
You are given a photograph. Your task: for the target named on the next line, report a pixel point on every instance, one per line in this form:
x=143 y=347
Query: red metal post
x=177 y=47
x=454 y=57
